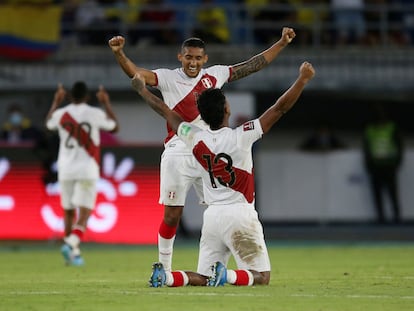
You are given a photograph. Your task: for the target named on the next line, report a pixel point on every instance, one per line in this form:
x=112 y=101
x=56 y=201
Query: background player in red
x=230 y=224
x=180 y=88
x=79 y=126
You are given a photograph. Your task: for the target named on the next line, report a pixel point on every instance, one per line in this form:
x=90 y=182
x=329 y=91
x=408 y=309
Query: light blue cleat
x=70 y=258
x=66 y=251
x=219 y=275
x=158 y=276
x=77 y=261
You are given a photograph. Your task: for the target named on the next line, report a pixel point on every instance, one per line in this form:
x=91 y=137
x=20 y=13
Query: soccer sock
x=166 y=237
x=75 y=237
x=176 y=278
x=240 y=277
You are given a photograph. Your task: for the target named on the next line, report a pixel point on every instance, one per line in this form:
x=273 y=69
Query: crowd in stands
x=317 y=22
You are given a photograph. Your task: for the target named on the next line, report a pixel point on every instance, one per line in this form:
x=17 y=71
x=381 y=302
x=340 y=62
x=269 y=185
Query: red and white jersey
x=180 y=93
x=79 y=128
x=226 y=156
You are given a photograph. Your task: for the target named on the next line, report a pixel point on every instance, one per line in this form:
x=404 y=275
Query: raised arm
x=103 y=98
x=173 y=118
x=288 y=99
x=263 y=59
x=58 y=98
x=117 y=44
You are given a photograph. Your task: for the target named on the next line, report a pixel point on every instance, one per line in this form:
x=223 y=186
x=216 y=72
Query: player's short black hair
x=194 y=43
x=211 y=104
x=79 y=91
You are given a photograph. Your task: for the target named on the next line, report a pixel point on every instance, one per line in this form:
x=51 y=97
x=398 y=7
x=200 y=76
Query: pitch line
x=164 y=292
x=353 y=296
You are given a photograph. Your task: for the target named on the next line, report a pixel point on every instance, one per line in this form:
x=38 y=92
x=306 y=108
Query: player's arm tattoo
x=248 y=67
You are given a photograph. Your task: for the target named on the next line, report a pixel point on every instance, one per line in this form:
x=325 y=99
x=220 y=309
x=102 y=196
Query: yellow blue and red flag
x=29 y=31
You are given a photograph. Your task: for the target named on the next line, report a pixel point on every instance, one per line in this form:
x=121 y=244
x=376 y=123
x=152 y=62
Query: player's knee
x=172 y=215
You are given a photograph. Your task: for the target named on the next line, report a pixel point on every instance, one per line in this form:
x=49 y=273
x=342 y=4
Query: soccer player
x=180 y=88
x=230 y=222
x=78 y=125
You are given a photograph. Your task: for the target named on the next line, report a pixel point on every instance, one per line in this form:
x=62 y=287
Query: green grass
x=312 y=277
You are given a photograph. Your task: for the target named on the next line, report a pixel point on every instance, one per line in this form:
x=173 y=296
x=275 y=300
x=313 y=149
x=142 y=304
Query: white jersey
x=79 y=128
x=180 y=93
x=226 y=156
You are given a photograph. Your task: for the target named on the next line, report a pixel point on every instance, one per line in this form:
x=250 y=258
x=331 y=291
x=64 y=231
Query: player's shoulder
x=165 y=71
x=217 y=67
x=187 y=129
x=218 y=70
x=248 y=128
x=166 y=74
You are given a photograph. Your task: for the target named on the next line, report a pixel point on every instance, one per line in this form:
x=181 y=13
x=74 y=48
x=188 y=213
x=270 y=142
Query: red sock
x=242 y=278
x=166 y=231
x=78 y=233
x=178 y=279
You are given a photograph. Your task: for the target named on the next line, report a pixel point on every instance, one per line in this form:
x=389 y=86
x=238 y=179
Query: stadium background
x=349 y=79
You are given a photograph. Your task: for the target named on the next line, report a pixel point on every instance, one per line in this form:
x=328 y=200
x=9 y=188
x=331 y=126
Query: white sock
x=76 y=251
x=169 y=279
x=231 y=276
x=165 y=251
x=72 y=240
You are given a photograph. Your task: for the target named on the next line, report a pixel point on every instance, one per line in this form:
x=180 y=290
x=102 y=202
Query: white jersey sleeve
x=248 y=133
x=53 y=122
x=186 y=132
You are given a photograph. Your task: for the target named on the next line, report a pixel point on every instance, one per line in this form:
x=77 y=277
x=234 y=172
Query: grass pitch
x=314 y=277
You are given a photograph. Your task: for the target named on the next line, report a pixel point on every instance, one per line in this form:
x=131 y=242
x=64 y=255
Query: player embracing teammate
x=180 y=88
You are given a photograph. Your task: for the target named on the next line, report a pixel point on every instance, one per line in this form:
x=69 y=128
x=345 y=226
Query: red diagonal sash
x=187 y=107
x=83 y=138
x=244 y=181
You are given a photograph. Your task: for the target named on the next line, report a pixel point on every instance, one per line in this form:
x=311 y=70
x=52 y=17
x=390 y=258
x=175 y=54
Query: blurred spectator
x=322 y=138
x=395 y=21
x=212 y=23
x=68 y=18
x=281 y=12
x=349 y=21
x=390 y=14
x=308 y=14
x=93 y=24
x=18 y=128
x=253 y=6
x=88 y=16
x=154 y=24
x=383 y=154
x=375 y=19
x=407 y=10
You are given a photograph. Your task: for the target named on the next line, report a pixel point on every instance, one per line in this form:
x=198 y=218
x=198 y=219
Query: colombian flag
x=29 y=31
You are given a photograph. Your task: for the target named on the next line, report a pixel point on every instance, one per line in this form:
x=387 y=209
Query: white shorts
x=232 y=230
x=178 y=173
x=78 y=193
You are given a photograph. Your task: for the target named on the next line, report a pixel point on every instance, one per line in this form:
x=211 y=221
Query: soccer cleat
x=158 y=277
x=70 y=258
x=66 y=251
x=219 y=275
x=77 y=261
